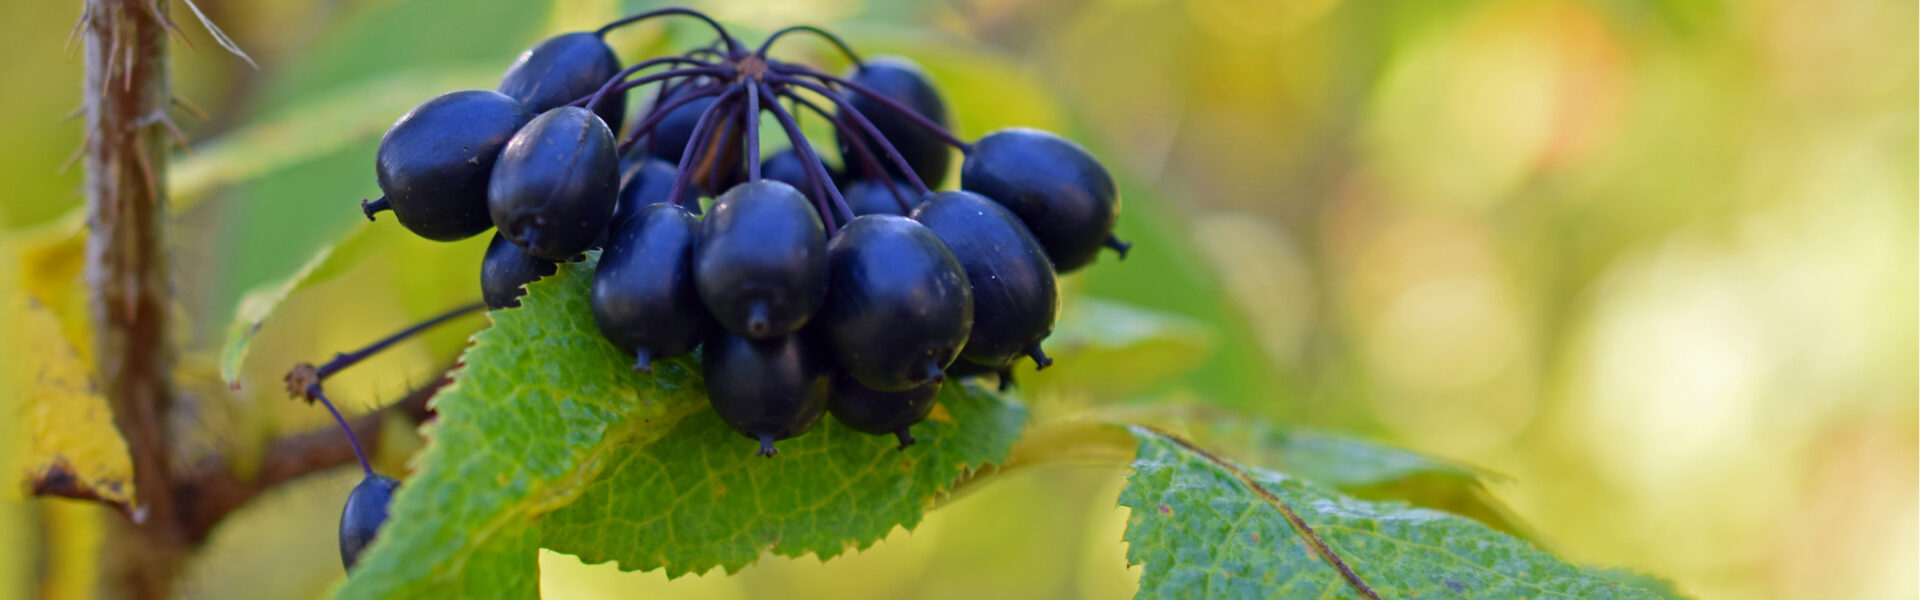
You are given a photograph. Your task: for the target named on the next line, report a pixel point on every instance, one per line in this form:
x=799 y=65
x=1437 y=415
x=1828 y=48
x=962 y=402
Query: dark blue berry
x=870 y=197
x=898 y=306
x=565 y=68
x=555 y=186
x=768 y=390
x=643 y=182
x=872 y=411
x=903 y=82
x=1065 y=197
x=643 y=295
x=365 y=511
x=787 y=167
x=505 y=271
x=1015 y=293
x=761 y=263
x=434 y=163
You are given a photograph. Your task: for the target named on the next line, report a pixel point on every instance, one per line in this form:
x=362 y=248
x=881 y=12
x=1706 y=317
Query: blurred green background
x=1653 y=260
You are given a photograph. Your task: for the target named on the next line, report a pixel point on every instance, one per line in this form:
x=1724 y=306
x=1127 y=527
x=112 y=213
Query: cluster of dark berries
x=813 y=287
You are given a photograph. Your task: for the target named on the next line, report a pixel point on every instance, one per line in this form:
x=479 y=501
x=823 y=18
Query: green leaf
x=1204 y=527
x=546 y=437
x=698 y=499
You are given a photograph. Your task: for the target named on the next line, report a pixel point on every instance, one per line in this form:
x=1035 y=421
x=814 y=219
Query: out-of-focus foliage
x=1654 y=260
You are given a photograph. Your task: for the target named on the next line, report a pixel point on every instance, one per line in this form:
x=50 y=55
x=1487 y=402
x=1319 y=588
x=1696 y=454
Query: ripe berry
x=434 y=163
x=506 y=269
x=365 y=511
x=768 y=390
x=643 y=296
x=642 y=182
x=872 y=411
x=903 y=82
x=898 y=306
x=554 y=189
x=1062 y=194
x=787 y=167
x=1015 y=295
x=761 y=262
x=565 y=68
x=870 y=197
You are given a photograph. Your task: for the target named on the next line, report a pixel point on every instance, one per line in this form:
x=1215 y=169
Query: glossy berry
x=786 y=167
x=872 y=411
x=903 y=82
x=565 y=68
x=761 y=262
x=555 y=186
x=898 y=306
x=1059 y=190
x=506 y=269
x=870 y=197
x=768 y=390
x=643 y=182
x=1015 y=294
x=643 y=296
x=365 y=511
x=434 y=163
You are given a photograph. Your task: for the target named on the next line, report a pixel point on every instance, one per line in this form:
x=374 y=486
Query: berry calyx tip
x=368 y=208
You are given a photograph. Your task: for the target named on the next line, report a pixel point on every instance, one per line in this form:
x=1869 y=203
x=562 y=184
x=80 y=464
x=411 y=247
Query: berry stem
x=592 y=101
x=377 y=205
x=697 y=144
x=305 y=379
x=868 y=161
x=811 y=160
x=753 y=131
x=822 y=33
x=659 y=113
x=313 y=391
x=846 y=110
x=733 y=45
x=342 y=361
x=802 y=71
x=722 y=71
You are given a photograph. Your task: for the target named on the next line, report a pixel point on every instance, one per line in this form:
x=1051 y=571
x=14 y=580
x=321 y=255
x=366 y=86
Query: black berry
x=434 y=163
x=643 y=182
x=1059 y=190
x=555 y=186
x=903 y=82
x=871 y=197
x=787 y=167
x=505 y=271
x=898 y=306
x=643 y=295
x=761 y=263
x=1015 y=293
x=768 y=390
x=872 y=411
x=565 y=68
x=365 y=511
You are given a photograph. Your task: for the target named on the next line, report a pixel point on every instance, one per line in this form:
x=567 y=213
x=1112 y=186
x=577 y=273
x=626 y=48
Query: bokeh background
x=1653 y=260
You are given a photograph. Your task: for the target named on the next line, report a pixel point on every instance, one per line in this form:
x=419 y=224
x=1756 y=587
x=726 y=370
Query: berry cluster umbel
x=853 y=288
